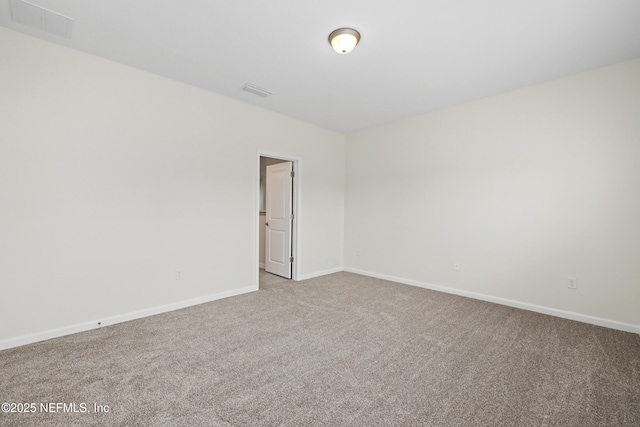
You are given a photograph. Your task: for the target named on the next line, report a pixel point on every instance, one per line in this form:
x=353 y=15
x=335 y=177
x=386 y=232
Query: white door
x=278 y=219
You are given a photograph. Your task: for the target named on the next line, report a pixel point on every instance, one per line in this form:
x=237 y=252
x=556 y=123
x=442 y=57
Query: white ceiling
x=415 y=56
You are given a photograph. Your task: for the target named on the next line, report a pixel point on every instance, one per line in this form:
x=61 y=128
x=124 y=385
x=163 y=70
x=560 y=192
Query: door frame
x=297 y=192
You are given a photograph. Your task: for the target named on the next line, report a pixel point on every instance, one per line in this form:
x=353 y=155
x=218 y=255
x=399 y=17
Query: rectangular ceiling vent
x=256 y=90
x=38 y=17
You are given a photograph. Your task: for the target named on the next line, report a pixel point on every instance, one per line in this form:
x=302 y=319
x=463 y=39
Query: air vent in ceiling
x=38 y=17
x=256 y=90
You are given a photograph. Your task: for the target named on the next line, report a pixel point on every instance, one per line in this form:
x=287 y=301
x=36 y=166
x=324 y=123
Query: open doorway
x=277 y=220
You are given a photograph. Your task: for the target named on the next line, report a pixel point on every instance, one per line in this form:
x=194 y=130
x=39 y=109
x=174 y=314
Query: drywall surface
x=112 y=178
x=523 y=190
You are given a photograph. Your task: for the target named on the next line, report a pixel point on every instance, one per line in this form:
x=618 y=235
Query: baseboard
x=627 y=327
x=320 y=273
x=99 y=323
x=261 y=265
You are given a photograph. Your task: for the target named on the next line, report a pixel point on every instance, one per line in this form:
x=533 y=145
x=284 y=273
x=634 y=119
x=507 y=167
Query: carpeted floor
x=268 y=280
x=338 y=350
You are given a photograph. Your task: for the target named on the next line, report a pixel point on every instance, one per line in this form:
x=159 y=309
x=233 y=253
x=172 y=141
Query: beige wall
x=112 y=178
x=262 y=234
x=523 y=189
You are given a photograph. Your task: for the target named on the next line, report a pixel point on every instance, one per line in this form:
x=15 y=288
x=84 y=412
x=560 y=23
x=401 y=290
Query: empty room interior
x=338 y=213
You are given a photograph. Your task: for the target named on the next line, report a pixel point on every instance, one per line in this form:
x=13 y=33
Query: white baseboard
x=99 y=323
x=261 y=265
x=613 y=324
x=320 y=273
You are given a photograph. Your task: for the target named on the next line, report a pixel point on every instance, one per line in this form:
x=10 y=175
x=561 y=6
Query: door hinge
x=291 y=217
x=290 y=259
x=292 y=174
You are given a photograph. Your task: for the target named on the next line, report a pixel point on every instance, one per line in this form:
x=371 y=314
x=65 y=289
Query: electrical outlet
x=179 y=274
x=456 y=265
x=573 y=283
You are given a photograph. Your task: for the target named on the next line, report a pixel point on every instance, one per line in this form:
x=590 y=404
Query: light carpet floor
x=268 y=280
x=338 y=350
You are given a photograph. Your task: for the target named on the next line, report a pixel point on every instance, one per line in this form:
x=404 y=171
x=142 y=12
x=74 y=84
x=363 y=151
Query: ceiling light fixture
x=344 y=40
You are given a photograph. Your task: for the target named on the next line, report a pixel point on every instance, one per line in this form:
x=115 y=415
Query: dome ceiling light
x=344 y=40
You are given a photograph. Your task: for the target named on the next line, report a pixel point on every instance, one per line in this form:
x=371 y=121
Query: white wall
x=111 y=178
x=524 y=189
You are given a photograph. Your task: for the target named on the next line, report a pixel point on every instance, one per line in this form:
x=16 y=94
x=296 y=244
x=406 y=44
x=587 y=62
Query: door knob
x=266 y=224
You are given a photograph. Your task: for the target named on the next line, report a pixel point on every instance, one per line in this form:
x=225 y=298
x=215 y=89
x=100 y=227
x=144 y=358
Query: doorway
x=278 y=207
